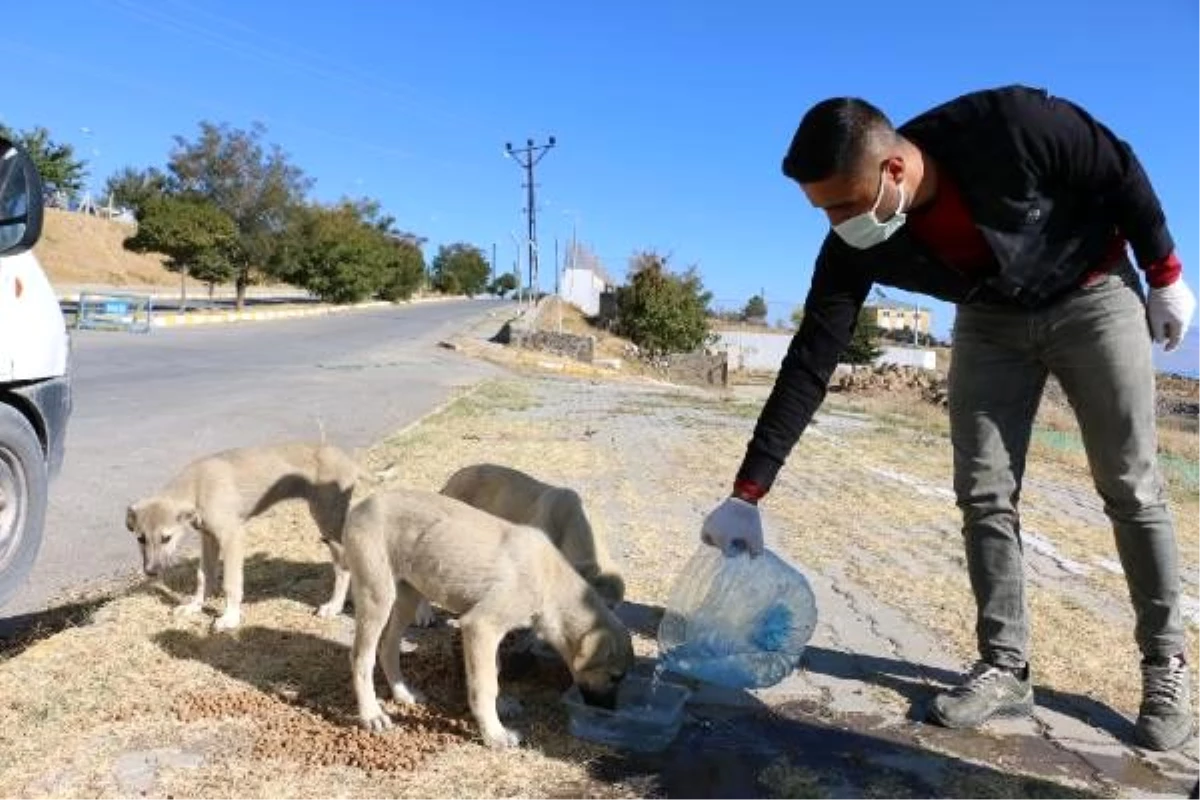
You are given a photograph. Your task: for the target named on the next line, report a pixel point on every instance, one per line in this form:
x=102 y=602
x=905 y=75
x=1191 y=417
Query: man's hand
x=1170 y=310
x=732 y=526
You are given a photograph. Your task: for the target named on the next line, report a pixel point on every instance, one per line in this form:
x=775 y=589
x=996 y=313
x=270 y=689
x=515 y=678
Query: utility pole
x=527 y=158
x=516 y=263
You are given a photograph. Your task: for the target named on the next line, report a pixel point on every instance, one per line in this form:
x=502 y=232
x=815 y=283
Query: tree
x=504 y=284
x=131 y=188
x=797 y=316
x=60 y=170
x=460 y=269
x=257 y=186
x=755 y=309
x=863 y=348
x=401 y=264
x=197 y=238
x=662 y=311
x=339 y=253
x=403 y=270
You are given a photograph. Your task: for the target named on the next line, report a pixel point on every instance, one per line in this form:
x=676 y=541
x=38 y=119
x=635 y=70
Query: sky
x=670 y=117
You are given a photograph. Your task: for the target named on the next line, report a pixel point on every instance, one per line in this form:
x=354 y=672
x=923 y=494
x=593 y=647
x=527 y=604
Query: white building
x=755 y=351
x=582 y=287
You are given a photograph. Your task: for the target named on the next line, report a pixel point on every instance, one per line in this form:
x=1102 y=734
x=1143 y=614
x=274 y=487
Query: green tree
x=504 y=284
x=403 y=268
x=197 y=238
x=662 y=311
x=256 y=185
x=131 y=188
x=460 y=268
x=797 y=316
x=60 y=170
x=336 y=255
x=863 y=348
x=755 y=309
x=341 y=255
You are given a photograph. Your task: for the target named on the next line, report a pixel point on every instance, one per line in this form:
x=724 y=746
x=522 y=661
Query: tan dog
x=216 y=495
x=558 y=512
x=404 y=545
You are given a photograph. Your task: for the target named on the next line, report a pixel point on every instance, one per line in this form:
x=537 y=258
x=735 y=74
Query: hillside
x=80 y=250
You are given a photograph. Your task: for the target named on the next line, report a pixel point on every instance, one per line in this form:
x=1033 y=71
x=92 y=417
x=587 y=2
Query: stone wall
x=523 y=332
x=580 y=348
x=696 y=369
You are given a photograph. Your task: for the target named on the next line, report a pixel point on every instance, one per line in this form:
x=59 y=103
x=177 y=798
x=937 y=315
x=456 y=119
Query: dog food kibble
x=289 y=733
x=317 y=726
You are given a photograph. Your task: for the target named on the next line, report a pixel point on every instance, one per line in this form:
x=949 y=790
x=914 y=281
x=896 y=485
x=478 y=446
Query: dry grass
x=558 y=312
x=269 y=709
x=78 y=249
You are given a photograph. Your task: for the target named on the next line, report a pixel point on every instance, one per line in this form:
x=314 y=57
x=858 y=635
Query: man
x=1017 y=206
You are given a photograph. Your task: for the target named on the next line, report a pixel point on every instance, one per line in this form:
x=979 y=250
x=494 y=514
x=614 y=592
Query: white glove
x=1170 y=311
x=732 y=526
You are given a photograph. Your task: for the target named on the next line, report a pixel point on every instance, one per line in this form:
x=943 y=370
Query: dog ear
x=131 y=518
x=611 y=587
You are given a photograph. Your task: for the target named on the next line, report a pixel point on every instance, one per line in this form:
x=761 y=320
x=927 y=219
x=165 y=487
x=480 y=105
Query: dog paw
x=377 y=723
x=227 y=621
x=507 y=706
x=502 y=739
x=406 y=696
x=424 y=617
x=187 y=609
x=328 y=610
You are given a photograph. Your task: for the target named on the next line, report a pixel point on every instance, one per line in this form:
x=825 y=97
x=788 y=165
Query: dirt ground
x=131 y=701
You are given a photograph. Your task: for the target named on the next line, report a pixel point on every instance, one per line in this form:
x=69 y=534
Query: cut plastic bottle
x=737 y=621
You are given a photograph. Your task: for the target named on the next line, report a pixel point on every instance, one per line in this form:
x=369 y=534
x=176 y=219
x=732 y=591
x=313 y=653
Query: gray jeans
x=1096 y=342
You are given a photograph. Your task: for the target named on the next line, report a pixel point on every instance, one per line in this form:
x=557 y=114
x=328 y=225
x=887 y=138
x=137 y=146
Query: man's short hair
x=833 y=138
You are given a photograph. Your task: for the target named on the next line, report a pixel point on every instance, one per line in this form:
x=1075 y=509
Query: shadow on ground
x=19 y=631
x=796 y=749
x=912 y=682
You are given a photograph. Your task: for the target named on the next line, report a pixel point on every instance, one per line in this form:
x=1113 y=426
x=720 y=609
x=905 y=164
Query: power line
x=527 y=158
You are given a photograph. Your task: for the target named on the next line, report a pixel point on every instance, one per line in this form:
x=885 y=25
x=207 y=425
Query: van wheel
x=23 y=496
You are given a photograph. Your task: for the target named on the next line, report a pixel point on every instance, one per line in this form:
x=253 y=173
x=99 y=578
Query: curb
x=176 y=319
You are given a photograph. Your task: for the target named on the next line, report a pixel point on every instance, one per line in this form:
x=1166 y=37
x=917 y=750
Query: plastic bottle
x=737 y=621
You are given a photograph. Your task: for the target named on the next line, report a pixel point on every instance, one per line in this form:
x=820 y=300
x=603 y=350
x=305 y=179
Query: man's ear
x=189 y=516
x=131 y=518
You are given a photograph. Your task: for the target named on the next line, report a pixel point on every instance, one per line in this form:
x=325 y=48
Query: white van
x=35 y=388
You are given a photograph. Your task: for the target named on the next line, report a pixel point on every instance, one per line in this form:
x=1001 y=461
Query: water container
x=737 y=621
x=647 y=717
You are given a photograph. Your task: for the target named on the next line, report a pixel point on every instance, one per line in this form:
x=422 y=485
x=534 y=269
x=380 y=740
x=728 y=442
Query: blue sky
x=671 y=117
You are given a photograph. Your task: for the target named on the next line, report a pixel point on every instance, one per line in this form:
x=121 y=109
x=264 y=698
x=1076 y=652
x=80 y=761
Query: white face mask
x=866 y=230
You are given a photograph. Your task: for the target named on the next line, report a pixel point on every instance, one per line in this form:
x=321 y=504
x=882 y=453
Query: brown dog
x=401 y=546
x=215 y=496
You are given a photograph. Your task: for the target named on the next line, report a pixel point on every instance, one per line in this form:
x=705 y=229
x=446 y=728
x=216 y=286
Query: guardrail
x=115 y=312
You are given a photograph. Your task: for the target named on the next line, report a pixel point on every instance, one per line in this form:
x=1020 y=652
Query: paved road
x=147 y=404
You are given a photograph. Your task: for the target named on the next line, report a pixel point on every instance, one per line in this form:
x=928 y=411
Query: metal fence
x=115 y=312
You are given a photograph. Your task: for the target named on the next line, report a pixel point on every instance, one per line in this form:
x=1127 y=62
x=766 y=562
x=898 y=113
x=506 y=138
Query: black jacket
x=1047 y=186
